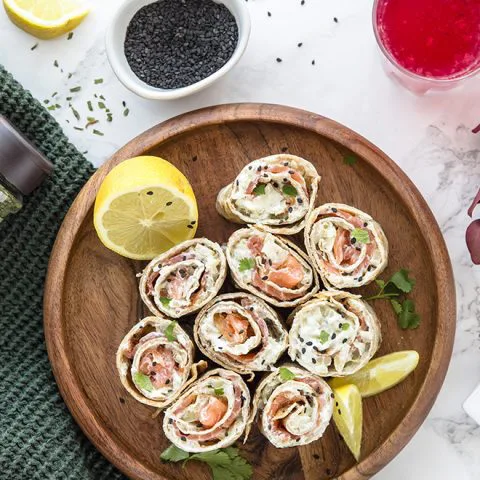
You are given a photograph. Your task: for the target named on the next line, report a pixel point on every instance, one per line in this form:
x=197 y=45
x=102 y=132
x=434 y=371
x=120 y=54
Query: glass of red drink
x=429 y=44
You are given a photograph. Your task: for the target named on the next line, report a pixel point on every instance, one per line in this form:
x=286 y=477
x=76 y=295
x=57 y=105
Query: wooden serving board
x=91 y=296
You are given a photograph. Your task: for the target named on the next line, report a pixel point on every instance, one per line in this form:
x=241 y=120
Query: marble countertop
x=429 y=137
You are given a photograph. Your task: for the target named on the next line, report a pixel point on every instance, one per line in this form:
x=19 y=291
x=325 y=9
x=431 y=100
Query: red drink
x=432 y=39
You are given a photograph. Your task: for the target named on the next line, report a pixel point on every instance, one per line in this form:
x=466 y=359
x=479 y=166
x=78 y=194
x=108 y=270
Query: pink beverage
x=429 y=43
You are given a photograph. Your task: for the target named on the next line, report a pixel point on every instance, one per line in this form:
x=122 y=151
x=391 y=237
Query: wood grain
x=91 y=297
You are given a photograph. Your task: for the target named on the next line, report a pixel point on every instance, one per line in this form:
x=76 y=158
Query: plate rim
x=56 y=344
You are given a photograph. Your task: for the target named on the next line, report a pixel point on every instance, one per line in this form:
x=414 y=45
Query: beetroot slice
x=472 y=237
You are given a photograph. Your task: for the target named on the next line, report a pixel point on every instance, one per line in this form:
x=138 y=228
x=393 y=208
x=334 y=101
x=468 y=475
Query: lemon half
x=145 y=206
x=46 y=18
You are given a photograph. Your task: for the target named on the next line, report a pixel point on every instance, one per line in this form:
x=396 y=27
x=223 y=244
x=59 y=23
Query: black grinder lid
x=22 y=165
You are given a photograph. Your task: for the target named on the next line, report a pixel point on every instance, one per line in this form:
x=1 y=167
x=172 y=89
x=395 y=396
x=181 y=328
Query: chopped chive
x=98 y=80
x=76 y=89
x=51 y=107
x=78 y=128
x=95 y=95
x=75 y=113
x=54 y=94
x=70 y=35
x=58 y=106
x=91 y=119
x=46 y=101
x=90 y=106
x=68 y=99
x=101 y=105
x=33 y=47
x=55 y=63
x=102 y=97
x=126 y=112
x=109 y=117
x=70 y=75
x=97 y=132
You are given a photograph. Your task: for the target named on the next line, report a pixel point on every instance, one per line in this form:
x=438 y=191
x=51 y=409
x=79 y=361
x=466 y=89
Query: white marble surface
x=429 y=137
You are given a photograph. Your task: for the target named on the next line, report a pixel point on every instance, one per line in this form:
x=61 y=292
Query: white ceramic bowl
x=115 y=40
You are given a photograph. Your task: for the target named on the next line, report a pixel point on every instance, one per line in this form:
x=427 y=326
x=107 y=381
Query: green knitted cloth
x=38 y=437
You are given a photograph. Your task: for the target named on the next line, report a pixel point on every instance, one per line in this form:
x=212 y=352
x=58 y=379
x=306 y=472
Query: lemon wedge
x=381 y=374
x=46 y=18
x=348 y=417
x=145 y=206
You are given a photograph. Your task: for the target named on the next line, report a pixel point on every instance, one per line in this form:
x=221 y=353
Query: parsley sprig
x=246 y=264
x=226 y=463
x=395 y=291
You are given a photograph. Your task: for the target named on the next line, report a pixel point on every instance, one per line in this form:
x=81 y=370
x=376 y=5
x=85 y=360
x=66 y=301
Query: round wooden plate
x=91 y=297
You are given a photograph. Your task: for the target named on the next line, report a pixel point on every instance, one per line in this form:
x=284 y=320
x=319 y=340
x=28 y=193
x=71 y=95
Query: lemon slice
x=348 y=417
x=46 y=18
x=145 y=206
x=381 y=374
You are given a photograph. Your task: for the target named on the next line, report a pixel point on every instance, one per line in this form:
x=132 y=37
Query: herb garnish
x=324 y=336
x=76 y=89
x=345 y=326
x=126 y=112
x=225 y=463
x=171 y=337
x=98 y=80
x=33 y=47
x=259 y=189
x=350 y=160
x=165 y=301
x=97 y=132
x=218 y=391
x=286 y=374
x=360 y=235
x=246 y=264
x=289 y=190
x=395 y=290
x=70 y=35
x=143 y=381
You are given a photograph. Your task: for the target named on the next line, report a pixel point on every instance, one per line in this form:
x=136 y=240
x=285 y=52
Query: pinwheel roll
x=155 y=361
x=292 y=407
x=348 y=248
x=183 y=279
x=240 y=332
x=276 y=192
x=271 y=267
x=334 y=334
x=211 y=414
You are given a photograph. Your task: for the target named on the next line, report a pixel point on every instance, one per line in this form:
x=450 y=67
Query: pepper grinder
x=22 y=168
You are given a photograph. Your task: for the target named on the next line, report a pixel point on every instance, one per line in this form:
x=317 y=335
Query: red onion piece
x=472 y=237
x=475 y=202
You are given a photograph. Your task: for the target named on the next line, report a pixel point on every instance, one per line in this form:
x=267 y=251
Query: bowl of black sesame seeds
x=167 y=49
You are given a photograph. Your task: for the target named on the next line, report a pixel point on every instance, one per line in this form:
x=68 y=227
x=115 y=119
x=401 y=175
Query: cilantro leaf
x=286 y=374
x=380 y=283
x=226 y=464
x=401 y=281
x=259 y=189
x=246 y=264
x=350 y=160
x=324 y=336
x=165 y=301
x=408 y=318
x=174 y=454
x=143 y=381
x=360 y=235
x=218 y=391
x=396 y=305
x=171 y=337
x=289 y=190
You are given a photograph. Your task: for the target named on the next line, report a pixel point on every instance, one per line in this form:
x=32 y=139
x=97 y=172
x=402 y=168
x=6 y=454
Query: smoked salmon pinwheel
x=183 y=279
x=276 y=192
x=240 y=332
x=211 y=414
x=270 y=267
x=347 y=247
x=334 y=334
x=292 y=407
x=155 y=361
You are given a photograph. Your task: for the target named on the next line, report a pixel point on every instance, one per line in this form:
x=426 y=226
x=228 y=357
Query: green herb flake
x=70 y=35
x=109 y=117
x=396 y=305
x=98 y=81
x=165 y=301
x=79 y=129
x=324 y=336
x=350 y=160
x=33 y=47
x=174 y=454
x=286 y=374
x=126 y=112
x=55 y=63
x=51 y=107
x=259 y=189
x=289 y=190
x=54 y=94
x=75 y=113
x=76 y=89
x=102 y=97
x=143 y=381
x=101 y=105
x=345 y=326
x=360 y=235
x=70 y=75
x=90 y=106
x=401 y=280
x=169 y=331
x=246 y=264
x=98 y=132
x=46 y=101
x=218 y=391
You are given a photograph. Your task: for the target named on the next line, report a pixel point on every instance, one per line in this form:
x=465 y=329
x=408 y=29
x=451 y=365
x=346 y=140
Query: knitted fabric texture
x=38 y=437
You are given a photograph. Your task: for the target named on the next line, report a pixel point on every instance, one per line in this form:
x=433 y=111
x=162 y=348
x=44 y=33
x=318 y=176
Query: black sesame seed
x=291 y=172
x=299 y=44
x=183 y=439
x=353 y=241
x=269 y=14
x=189 y=226
x=279 y=59
x=259 y=169
x=360 y=279
x=339 y=412
x=304 y=350
x=300 y=338
x=309 y=344
x=250 y=167
x=314 y=361
x=167 y=381
x=170 y=421
x=265 y=167
x=193 y=222
x=154 y=363
x=302 y=2
x=275 y=184
x=365 y=224
x=149 y=192
x=299 y=200
x=328 y=471
x=313 y=62
x=336 y=404
x=265 y=277
x=237 y=182
x=344 y=340
x=332 y=395
x=335 y=19
x=285 y=180
x=334 y=210
x=265 y=175
x=251 y=309
x=168 y=203
x=334 y=336
x=290 y=209
x=184 y=257
x=270 y=262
